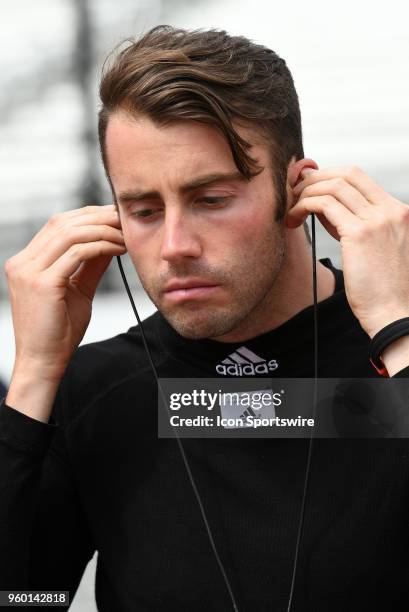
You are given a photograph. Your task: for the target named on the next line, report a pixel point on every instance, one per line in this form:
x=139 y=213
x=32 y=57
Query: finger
x=96 y=217
x=69 y=236
x=61 y=222
x=339 y=220
x=355 y=177
x=89 y=273
x=91 y=208
x=68 y=264
x=349 y=196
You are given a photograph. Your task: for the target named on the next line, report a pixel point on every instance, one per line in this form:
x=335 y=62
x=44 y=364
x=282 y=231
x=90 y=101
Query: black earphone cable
x=179 y=442
x=310 y=443
x=182 y=450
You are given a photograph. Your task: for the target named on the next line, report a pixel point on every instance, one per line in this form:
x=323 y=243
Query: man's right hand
x=52 y=283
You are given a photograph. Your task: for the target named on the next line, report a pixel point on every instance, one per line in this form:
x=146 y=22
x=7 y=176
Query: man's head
x=171 y=75
x=197 y=132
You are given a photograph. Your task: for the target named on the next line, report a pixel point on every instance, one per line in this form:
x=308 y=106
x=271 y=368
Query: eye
x=213 y=201
x=142 y=213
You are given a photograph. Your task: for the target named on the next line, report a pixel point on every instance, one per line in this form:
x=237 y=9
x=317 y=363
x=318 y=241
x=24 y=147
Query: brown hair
x=171 y=74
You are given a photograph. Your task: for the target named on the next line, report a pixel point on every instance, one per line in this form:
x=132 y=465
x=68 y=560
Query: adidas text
x=249 y=369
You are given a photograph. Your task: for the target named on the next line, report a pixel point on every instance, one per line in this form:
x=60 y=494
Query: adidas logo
x=248 y=413
x=244 y=362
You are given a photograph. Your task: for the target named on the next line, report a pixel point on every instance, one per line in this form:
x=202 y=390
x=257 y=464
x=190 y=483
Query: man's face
x=202 y=239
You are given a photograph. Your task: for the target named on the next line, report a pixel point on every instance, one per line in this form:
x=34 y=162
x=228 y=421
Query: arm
x=373 y=230
x=44 y=539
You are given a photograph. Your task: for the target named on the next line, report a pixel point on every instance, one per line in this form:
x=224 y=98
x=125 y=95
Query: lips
x=189 y=289
x=192 y=283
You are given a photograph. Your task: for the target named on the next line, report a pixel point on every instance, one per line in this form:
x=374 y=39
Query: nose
x=179 y=239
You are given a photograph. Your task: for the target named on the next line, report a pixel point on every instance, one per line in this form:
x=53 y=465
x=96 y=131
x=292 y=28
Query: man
x=201 y=139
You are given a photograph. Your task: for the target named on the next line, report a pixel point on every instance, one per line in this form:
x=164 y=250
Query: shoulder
x=99 y=367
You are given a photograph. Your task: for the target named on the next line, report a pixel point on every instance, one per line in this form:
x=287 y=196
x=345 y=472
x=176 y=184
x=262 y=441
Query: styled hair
x=171 y=74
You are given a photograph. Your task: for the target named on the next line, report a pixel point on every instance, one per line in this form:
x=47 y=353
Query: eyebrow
x=208 y=179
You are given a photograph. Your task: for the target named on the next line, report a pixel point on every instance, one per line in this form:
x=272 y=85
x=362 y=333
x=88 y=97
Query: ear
x=295 y=169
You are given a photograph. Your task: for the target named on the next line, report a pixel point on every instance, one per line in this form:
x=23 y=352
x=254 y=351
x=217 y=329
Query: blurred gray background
x=350 y=65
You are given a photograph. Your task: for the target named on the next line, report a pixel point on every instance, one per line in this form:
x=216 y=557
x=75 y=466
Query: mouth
x=189 y=289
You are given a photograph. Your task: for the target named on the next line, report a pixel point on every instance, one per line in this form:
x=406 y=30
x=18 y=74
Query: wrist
x=379 y=323
x=389 y=348
x=31 y=393
x=396 y=355
x=33 y=369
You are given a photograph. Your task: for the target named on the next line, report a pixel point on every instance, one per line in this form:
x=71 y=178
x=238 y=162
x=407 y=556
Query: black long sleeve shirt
x=98 y=478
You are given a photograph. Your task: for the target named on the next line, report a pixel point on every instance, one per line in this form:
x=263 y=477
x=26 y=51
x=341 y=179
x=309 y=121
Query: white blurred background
x=349 y=61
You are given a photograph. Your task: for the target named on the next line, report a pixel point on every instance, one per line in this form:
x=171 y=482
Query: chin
x=201 y=327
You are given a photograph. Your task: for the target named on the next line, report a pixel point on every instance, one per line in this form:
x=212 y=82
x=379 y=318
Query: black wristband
x=384 y=338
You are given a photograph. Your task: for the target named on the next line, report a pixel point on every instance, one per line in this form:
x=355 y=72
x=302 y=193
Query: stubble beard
x=250 y=284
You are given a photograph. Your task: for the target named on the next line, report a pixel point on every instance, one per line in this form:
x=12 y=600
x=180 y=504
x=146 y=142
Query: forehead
x=141 y=146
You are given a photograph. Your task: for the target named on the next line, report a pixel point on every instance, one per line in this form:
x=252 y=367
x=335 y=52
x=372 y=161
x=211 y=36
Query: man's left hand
x=373 y=229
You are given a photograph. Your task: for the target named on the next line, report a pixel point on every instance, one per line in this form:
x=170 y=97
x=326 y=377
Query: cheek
x=251 y=224
x=242 y=242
